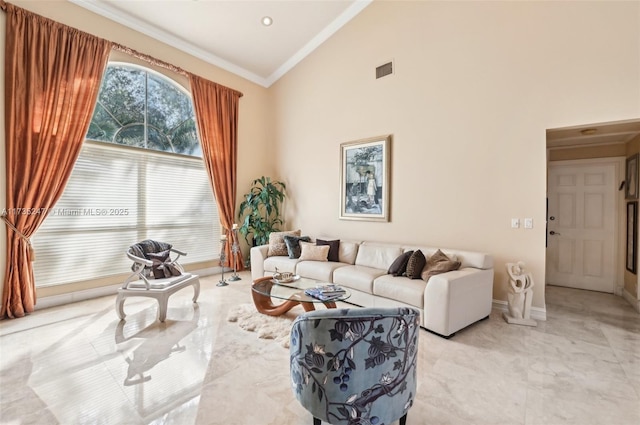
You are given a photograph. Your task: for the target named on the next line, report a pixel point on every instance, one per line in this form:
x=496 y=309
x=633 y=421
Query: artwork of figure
x=372 y=187
x=520 y=295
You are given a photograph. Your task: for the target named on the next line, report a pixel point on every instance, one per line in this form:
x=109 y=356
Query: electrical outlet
x=515 y=223
x=528 y=223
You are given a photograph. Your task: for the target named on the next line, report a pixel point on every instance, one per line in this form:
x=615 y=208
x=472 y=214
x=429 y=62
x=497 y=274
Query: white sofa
x=448 y=302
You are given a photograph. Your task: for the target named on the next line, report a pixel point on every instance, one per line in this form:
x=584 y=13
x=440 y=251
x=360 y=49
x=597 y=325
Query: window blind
x=117 y=196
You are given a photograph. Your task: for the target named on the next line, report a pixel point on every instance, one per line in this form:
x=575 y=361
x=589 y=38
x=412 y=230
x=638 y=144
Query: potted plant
x=261 y=210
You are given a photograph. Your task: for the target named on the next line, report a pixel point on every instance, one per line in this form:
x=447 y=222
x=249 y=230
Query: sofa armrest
x=258 y=254
x=456 y=299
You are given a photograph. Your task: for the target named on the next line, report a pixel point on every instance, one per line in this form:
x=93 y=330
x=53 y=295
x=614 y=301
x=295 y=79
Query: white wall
x=476 y=86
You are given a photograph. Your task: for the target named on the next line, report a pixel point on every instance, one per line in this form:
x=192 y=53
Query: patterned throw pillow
x=311 y=252
x=276 y=243
x=416 y=263
x=439 y=263
x=334 y=249
x=293 y=244
x=399 y=265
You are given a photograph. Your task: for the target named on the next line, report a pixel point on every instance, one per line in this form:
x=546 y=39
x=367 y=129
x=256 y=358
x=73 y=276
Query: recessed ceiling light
x=267 y=21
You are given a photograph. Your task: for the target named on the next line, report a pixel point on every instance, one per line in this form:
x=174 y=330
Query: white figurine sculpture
x=519 y=296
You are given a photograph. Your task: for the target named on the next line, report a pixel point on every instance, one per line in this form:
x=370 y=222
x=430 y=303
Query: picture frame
x=631 y=177
x=364 y=179
x=632 y=236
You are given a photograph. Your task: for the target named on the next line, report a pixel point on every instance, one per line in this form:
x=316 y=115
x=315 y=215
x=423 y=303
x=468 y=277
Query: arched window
x=143 y=109
x=139 y=176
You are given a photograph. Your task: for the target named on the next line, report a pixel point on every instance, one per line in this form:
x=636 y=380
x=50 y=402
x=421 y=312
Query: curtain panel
x=52 y=79
x=216 y=110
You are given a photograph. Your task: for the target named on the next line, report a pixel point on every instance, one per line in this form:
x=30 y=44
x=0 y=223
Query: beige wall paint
x=255 y=129
x=476 y=86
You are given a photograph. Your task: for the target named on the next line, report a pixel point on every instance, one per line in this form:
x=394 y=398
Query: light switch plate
x=528 y=223
x=515 y=223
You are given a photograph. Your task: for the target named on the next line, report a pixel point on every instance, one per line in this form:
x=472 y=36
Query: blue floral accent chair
x=355 y=366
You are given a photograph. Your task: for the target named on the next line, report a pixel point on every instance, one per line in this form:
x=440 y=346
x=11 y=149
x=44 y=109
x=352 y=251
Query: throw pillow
x=399 y=265
x=293 y=244
x=276 y=243
x=313 y=252
x=416 y=263
x=162 y=266
x=439 y=263
x=334 y=249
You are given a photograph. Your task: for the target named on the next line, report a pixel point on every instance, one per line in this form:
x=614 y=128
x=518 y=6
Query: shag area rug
x=266 y=327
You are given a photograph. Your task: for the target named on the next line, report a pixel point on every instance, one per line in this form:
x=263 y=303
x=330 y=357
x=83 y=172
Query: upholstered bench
x=150 y=254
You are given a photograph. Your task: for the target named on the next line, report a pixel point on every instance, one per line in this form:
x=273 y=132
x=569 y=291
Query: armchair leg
x=316 y=421
x=403 y=420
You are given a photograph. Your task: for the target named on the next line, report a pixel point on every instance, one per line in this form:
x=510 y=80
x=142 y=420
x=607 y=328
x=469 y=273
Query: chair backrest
x=355 y=365
x=147 y=246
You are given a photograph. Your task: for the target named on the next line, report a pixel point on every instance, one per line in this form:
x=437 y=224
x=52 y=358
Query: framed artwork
x=364 y=179
x=631 y=179
x=632 y=236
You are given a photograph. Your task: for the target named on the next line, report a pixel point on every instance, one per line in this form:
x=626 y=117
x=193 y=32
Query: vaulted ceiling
x=230 y=34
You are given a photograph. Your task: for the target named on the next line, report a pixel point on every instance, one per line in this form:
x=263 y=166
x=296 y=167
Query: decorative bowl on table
x=285 y=277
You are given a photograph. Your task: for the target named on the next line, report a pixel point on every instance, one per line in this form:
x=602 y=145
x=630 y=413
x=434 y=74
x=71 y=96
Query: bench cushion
x=159 y=283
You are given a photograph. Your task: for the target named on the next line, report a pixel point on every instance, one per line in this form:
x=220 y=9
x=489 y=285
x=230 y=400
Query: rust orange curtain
x=52 y=78
x=216 y=109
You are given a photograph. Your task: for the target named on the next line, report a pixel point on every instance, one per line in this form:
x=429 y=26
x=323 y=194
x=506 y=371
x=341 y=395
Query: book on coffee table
x=325 y=292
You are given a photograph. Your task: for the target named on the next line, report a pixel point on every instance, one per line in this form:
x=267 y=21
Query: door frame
x=619 y=224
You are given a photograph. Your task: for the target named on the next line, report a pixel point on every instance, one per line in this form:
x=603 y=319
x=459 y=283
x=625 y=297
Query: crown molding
x=357 y=7
x=107 y=11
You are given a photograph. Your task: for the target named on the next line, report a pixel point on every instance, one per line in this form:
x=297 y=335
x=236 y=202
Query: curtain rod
x=149 y=59
x=136 y=54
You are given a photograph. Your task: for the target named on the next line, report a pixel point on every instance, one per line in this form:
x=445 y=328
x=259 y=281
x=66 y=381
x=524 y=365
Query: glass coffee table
x=264 y=289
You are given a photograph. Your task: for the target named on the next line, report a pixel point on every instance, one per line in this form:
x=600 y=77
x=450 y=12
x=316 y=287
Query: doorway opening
x=586 y=207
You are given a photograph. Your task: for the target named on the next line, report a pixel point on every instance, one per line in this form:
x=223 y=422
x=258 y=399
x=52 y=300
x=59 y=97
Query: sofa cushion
x=439 y=263
x=311 y=252
x=478 y=260
x=378 y=256
x=399 y=266
x=357 y=277
x=293 y=244
x=403 y=289
x=348 y=252
x=334 y=248
x=276 y=243
x=416 y=263
x=284 y=264
x=318 y=270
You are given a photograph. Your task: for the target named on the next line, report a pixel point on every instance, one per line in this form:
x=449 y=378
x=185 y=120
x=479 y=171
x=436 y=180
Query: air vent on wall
x=384 y=70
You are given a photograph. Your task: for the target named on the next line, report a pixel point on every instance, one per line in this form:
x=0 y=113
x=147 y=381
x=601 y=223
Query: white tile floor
x=78 y=364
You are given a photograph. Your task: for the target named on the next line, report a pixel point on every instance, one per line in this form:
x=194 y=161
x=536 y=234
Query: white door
x=581 y=225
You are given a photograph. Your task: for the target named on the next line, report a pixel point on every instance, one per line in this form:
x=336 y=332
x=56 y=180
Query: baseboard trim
x=102 y=291
x=631 y=300
x=537 y=313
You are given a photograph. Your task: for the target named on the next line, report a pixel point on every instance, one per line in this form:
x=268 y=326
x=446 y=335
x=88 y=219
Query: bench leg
x=196 y=290
x=163 y=301
x=120 y=306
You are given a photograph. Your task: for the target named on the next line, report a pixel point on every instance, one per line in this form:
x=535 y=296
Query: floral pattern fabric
x=355 y=366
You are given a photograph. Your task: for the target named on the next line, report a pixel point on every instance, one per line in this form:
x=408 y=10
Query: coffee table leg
x=265 y=306
x=308 y=306
x=330 y=304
